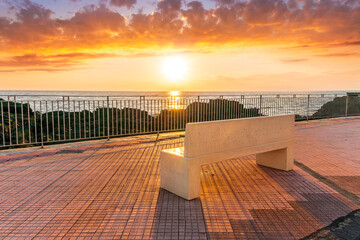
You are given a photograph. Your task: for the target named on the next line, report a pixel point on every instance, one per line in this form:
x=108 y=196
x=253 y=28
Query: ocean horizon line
x=179 y=92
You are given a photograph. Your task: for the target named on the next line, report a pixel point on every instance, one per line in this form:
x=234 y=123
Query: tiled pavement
x=332 y=149
x=110 y=190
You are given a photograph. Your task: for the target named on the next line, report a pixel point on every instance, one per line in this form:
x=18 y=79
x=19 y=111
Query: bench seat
x=180 y=168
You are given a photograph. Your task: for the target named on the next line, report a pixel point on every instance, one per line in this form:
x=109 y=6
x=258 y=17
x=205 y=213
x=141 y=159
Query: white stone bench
x=270 y=138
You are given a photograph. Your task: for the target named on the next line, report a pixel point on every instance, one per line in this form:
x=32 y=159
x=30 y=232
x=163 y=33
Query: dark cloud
x=169 y=6
x=160 y=28
x=36 y=70
x=123 y=3
x=33 y=60
x=352 y=54
x=200 y=23
x=349 y=43
x=225 y=2
x=91 y=20
x=59 y=61
x=294 y=60
x=265 y=12
x=32 y=24
x=49 y=63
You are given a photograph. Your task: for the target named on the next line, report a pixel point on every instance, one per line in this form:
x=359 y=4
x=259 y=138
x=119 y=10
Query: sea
x=49 y=95
x=272 y=103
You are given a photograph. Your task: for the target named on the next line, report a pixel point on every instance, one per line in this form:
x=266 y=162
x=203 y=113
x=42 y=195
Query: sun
x=175 y=68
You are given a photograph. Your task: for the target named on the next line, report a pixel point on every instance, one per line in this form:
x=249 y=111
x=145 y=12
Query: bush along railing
x=37 y=122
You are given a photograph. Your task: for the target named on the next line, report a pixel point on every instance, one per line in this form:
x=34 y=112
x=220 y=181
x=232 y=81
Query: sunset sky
x=208 y=45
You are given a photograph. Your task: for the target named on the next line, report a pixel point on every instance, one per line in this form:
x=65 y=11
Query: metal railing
x=39 y=120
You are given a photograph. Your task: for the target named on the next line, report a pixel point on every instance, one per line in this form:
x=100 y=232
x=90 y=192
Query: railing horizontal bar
x=73 y=118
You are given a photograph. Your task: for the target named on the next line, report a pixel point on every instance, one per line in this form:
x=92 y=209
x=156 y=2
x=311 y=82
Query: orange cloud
x=174 y=25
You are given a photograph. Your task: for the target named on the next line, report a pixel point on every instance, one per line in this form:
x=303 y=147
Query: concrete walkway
x=110 y=190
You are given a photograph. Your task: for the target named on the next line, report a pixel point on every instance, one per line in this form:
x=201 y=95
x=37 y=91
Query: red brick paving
x=110 y=190
x=332 y=148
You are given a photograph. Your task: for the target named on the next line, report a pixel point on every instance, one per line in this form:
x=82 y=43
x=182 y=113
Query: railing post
x=198 y=110
x=41 y=128
x=346 y=105
x=308 y=108
x=141 y=126
x=260 y=107
x=16 y=123
x=108 y=118
x=69 y=116
x=9 y=118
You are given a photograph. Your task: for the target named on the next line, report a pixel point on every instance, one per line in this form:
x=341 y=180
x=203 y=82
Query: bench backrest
x=206 y=138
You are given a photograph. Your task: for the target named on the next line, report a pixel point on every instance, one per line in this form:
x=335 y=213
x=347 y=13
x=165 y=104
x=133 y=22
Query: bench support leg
x=179 y=176
x=282 y=159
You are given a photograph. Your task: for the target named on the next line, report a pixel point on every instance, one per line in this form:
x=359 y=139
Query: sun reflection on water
x=174 y=93
x=175 y=100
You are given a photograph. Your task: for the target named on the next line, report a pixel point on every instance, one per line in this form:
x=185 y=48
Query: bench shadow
x=277 y=204
x=312 y=207
x=311 y=195
x=177 y=218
